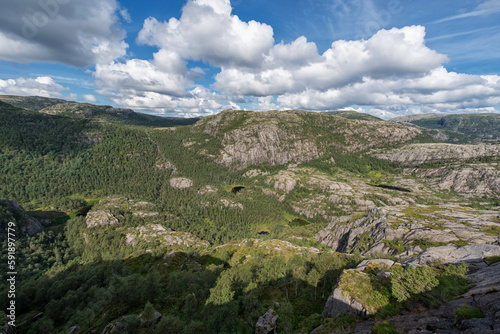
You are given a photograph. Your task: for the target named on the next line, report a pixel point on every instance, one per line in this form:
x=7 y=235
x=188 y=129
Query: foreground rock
x=340 y=302
x=483 y=294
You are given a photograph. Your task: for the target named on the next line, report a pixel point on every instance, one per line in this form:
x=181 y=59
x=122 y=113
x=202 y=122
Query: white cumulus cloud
x=208 y=31
x=40 y=86
x=77 y=33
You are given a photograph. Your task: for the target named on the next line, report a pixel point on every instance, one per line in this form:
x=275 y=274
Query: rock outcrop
x=181 y=182
x=407 y=231
x=267 y=323
x=474 y=180
x=166 y=237
x=26 y=223
x=108 y=211
x=471 y=254
x=340 y=302
x=100 y=218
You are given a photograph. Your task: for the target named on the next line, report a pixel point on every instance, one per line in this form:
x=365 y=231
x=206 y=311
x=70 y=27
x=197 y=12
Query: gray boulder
x=181 y=182
x=267 y=323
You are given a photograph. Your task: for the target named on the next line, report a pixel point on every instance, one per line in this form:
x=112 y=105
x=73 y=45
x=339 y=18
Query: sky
x=192 y=58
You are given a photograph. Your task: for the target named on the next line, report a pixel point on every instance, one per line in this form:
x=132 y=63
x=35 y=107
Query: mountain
x=89 y=111
x=460 y=128
x=279 y=137
x=33 y=103
x=239 y=222
x=351 y=114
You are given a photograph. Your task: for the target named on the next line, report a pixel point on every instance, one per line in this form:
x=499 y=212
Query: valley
x=132 y=223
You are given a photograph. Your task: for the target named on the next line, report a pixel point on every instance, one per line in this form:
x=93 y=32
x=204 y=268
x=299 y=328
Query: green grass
x=385 y=327
x=394 y=245
x=491 y=260
x=492 y=230
x=426 y=243
x=299 y=222
x=465 y=311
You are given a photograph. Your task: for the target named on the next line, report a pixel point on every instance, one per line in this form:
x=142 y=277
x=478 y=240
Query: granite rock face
x=457 y=170
x=471 y=254
x=280 y=137
x=473 y=180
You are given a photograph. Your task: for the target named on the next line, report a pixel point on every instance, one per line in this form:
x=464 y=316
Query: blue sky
x=197 y=57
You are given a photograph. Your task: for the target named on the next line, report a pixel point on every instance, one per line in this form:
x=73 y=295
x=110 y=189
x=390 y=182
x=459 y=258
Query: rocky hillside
x=471 y=170
x=278 y=137
x=417 y=154
x=33 y=103
x=460 y=128
x=87 y=111
x=351 y=114
x=407 y=231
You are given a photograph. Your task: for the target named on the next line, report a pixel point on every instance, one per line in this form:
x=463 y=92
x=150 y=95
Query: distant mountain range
x=460 y=128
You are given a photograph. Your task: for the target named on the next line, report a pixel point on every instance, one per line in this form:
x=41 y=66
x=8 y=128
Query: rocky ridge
x=84 y=109
x=455 y=170
x=461 y=128
x=417 y=154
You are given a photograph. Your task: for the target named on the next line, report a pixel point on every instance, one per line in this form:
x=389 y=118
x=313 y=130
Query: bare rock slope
x=407 y=231
x=278 y=137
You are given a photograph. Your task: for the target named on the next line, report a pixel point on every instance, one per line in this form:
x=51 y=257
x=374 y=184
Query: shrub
x=385 y=327
x=412 y=281
x=491 y=260
x=465 y=311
